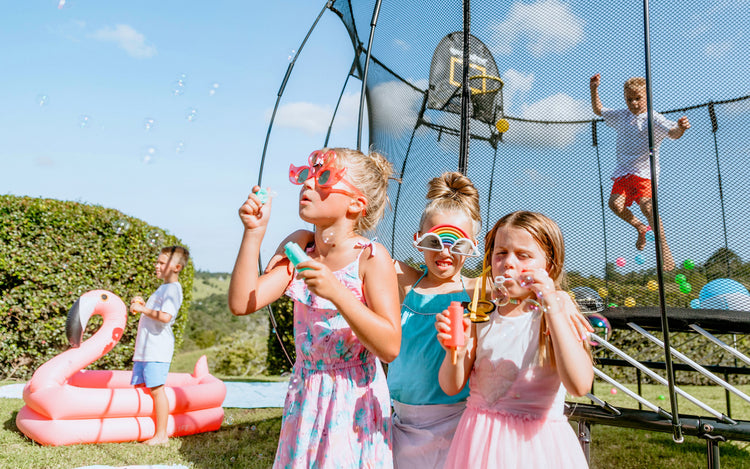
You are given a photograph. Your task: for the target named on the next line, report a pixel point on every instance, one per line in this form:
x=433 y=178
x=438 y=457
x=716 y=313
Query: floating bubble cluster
x=180 y=147
x=191 y=114
x=42 y=100
x=148 y=155
x=148 y=124
x=212 y=90
x=84 y=121
x=179 y=87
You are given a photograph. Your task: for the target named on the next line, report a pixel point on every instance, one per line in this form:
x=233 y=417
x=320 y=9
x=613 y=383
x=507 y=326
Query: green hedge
x=53 y=251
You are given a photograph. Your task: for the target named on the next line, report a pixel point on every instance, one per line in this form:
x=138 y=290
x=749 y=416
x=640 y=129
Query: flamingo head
x=87 y=305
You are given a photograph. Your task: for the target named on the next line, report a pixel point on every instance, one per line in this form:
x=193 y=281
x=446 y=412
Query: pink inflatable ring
x=66 y=404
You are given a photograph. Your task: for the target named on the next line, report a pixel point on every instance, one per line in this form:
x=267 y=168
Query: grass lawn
x=248 y=438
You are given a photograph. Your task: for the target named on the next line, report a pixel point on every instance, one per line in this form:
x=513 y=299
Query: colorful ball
x=652 y=285
x=629 y=302
x=639 y=259
x=661 y=397
x=680 y=279
x=613 y=391
x=686 y=287
x=603 y=292
x=621 y=261
x=612 y=305
x=650 y=235
x=695 y=303
x=688 y=264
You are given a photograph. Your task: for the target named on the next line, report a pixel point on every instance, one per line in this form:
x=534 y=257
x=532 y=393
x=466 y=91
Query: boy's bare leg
x=647 y=208
x=161 y=410
x=617 y=205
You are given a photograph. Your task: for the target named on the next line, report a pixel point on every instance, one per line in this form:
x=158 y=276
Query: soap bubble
x=688 y=264
x=191 y=114
x=291 y=55
x=84 y=121
x=680 y=279
x=149 y=153
x=621 y=261
x=294 y=383
x=530 y=306
x=685 y=287
x=155 y=238
x=652 y=285
x=639 y=259
x=179 y=86
x=148 y=124
x=229 y=420
x=526 y=279
x=502 y=297
x=629 y=302
x=42 y=100
x=601 y=326
x=179 y=148
x=120 y=226
x=212 y=90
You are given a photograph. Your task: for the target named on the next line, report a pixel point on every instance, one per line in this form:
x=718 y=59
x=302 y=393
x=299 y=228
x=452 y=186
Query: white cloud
x=548 y=25
x=558 y=107
x=718 y=50
x=516 y=83
x=396 y=106
x=314 y=118
x=44 y=161
x=401 y=44
x=127 y=39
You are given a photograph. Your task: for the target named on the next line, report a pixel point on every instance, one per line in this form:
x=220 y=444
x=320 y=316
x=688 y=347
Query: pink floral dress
x=337 y=410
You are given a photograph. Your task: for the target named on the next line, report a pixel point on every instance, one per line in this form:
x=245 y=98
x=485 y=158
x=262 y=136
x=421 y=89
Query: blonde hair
x=177 y=253
x=634 y=83
x=548 y=236
x=370 y=174
x=452 y=192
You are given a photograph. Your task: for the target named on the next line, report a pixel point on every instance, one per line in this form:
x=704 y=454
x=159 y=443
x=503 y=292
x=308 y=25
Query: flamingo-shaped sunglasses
x=321 y=167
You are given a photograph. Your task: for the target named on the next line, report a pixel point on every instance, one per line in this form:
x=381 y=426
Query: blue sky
x=160 y=109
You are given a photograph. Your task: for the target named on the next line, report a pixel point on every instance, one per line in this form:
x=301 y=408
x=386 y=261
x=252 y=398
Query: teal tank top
x=413 y=375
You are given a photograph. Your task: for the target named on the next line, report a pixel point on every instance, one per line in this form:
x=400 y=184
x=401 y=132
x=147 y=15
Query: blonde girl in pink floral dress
x=346 y=312
x=520 y=363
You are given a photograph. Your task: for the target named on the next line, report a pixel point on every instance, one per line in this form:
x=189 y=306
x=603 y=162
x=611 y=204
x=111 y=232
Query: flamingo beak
x=78 y=318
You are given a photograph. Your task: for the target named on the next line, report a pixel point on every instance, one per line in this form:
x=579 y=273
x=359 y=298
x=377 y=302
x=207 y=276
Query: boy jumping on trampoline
x=633 y=173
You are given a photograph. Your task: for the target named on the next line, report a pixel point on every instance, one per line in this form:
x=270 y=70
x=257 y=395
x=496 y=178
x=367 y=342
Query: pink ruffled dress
x=514 y=414
x=337 y=410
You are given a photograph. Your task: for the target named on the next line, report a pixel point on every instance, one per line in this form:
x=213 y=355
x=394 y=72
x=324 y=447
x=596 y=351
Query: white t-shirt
x=632 y=140
x=155 y=341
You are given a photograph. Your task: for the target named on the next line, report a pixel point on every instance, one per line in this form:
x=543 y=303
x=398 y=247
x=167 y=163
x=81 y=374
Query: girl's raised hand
x=253 y=213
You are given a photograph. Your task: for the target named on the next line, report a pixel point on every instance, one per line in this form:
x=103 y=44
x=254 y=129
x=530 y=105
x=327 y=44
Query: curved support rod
x=338 y=103
x=281 y=90
x=373 y=23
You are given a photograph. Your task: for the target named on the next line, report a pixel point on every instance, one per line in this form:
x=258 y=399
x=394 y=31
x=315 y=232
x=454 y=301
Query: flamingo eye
x=104 y=297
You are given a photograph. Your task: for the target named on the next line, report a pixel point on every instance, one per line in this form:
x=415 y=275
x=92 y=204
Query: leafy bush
x=53 y=251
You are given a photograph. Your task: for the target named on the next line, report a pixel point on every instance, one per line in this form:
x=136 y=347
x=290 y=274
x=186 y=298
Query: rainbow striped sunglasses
x=452 y=237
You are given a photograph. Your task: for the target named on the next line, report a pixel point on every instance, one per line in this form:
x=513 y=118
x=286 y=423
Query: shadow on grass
x=247 y=439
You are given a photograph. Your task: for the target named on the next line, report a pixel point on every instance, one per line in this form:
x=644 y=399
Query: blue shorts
x=153 y=374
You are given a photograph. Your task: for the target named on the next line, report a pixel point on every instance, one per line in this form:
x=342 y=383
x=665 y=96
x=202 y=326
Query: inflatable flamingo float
x=66 y=404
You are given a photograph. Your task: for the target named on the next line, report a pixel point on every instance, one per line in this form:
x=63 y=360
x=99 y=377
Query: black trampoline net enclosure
x=550 y=128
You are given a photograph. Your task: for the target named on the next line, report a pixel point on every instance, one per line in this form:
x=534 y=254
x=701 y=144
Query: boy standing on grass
x=632 y=176
x=154 y=344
